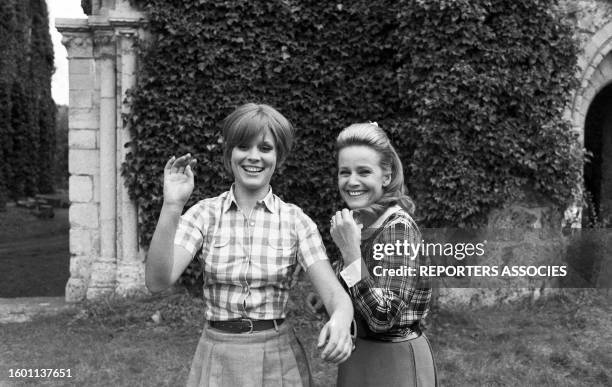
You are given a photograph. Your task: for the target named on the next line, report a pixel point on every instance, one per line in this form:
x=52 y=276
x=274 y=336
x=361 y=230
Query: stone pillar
x=103 y=274
x=105 y=256
x=130 y=273
x=83 y=164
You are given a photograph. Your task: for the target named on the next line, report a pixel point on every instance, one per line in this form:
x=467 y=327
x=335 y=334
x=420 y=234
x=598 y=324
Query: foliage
x=488 y=82
x=86 y=6
x=61 y=147
x=470 y=92
x=27 y=130
x=592 y=214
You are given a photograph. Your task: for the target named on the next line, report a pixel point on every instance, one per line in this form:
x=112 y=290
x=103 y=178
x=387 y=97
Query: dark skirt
x=407 y=363
x=266 y=358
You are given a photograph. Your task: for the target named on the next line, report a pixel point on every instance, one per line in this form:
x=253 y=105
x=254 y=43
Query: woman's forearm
x=337 y=302
x=160 y=257
x=339 y=306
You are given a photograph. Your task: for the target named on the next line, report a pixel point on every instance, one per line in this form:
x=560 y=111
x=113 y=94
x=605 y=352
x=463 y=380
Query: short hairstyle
x=248 y=122
x=372 y=136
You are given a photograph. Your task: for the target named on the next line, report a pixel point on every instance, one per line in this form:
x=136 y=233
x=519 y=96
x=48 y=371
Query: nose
x=253 y=154
x=352 y=180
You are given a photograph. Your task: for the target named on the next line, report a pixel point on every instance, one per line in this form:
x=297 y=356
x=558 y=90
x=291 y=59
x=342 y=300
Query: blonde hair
x=372 y=136
x=249 y=121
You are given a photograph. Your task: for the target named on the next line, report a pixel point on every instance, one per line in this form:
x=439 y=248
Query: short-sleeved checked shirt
x=392 y=304
x=248 y=259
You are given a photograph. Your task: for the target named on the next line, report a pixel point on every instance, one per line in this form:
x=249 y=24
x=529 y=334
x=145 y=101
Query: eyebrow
x=357 y=167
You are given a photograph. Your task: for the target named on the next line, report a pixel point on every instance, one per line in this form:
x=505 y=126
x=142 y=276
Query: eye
x=364 y=172
x=266 y=148
x=242 y=147
x=343 y=173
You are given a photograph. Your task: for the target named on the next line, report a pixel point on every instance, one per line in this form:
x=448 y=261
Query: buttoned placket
x=249 y=224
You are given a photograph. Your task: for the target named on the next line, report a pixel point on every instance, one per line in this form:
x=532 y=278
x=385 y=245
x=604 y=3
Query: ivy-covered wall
x=27 y=111
x=472 y=94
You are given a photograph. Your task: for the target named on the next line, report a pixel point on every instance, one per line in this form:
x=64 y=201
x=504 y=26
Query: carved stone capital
x=104 y=44
x=78 y=44
x=127 y=33
x=127 y=37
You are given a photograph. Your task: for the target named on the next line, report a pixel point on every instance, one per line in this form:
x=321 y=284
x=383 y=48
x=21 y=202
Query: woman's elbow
x=154 y=286
x=155 y=283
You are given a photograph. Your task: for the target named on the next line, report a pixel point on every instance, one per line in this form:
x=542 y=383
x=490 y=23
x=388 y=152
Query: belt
x=363 y=332
x=390 y=338
x=245 y=325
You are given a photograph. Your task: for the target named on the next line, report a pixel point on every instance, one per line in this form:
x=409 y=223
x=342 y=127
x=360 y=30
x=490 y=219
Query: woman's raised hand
x=178 y=180
x=346 y=234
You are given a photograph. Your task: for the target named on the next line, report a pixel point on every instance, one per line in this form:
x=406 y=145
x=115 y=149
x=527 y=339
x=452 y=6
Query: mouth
x=252 y=170
x=354 y=194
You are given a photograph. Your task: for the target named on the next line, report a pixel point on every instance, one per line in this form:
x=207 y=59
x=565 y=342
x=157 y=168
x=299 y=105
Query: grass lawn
x=34 y=253
x=564 y=340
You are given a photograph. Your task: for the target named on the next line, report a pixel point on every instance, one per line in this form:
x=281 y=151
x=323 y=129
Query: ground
x=560 y=340
x=34 y=253
x=563 y=340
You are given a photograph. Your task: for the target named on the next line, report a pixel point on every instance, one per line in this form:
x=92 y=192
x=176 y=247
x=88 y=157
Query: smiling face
x=360 y=178
x=253 y=164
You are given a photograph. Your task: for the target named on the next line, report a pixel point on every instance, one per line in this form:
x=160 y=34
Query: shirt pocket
x=219 y=263
x=281 y=261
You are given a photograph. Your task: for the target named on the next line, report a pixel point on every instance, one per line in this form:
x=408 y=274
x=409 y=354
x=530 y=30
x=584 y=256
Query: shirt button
x=252 y=223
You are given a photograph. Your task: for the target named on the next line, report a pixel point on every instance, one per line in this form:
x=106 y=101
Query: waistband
x=364 y=333
x=245 y=325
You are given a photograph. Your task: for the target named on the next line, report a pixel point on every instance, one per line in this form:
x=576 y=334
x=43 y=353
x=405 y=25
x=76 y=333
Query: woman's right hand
x=178 y=180
x=346 y=234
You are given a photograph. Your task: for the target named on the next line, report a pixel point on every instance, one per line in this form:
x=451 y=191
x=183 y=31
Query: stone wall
x=525 y=232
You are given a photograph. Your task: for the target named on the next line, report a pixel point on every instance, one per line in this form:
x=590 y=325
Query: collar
x=268 y=201
x=367 y=232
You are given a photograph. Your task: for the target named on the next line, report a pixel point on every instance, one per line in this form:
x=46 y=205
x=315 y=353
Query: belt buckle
x=250 y=324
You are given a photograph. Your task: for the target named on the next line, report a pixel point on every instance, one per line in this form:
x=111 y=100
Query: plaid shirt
x=248 y=260
x=391 y=304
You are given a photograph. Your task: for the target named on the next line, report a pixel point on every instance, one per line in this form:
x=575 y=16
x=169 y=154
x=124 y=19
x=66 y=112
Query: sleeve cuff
x=354 y=273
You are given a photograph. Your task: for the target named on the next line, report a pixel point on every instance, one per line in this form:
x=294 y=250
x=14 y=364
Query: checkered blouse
x=391 y=304
x=248 y=261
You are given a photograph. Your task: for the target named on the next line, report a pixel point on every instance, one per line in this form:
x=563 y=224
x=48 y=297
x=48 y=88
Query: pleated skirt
x=258 y=359
x=395 y=364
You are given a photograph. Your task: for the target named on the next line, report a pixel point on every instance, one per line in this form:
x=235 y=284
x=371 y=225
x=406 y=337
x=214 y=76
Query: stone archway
x=595 y=72
x=598 y=141
x=594 y=76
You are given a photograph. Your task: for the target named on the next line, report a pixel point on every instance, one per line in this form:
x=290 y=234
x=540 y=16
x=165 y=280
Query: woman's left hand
x=336 y=336
x=346 y=234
